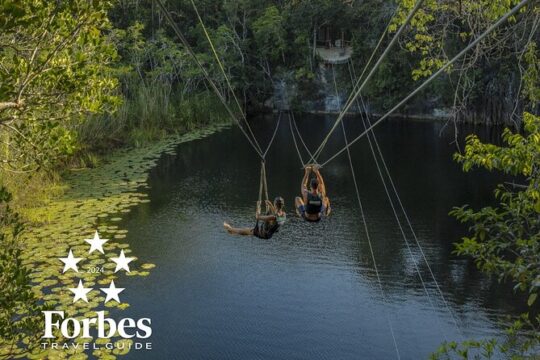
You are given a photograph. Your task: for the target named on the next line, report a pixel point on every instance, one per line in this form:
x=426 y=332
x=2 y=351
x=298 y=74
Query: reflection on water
x=311 y=291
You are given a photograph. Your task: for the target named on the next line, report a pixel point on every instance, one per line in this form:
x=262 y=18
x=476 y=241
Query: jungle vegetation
x=80 y=78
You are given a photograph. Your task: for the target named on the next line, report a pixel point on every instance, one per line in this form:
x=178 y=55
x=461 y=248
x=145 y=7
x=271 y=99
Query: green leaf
x=532 y=299
x=537 y=207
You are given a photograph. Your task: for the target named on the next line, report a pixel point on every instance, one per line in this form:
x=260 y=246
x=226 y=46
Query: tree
x=505 y=240
x=269 y=33
x=486 y=82
x=54 y=69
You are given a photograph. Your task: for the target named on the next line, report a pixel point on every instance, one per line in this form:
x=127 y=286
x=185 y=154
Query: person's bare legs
x=237 y=231
x=297 y=203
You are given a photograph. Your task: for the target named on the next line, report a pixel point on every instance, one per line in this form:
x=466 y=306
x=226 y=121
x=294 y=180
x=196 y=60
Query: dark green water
x=311 y=291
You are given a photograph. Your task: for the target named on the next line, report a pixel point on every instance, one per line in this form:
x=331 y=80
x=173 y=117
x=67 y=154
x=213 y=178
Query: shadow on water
x=311 y=291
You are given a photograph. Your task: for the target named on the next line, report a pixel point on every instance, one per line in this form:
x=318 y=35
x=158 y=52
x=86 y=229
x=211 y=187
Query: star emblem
x=122 y=261
x=80 y=292
x=96 y=243
x=70 y=262
x=112 y=292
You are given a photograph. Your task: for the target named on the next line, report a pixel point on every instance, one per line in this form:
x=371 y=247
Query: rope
x=368 y=77
x=273 y=136
x=263 y=183
x=432 y=77
x=222 y=68
x=188 y=48
x=263 y=186
x=312 y=158
x=366 y=230
x=295 y=143
x=365 y=122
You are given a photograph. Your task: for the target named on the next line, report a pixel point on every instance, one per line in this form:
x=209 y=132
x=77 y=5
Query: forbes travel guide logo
x=57 y=322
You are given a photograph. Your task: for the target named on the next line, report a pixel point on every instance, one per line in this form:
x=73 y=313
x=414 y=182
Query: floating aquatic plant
x=95 y=199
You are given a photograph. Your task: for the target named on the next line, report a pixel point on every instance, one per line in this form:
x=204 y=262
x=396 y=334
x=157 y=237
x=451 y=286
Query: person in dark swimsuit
x=266 y=225
x=314 y=204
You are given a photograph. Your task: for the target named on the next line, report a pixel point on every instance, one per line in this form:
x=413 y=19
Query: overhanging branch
x=10 y=105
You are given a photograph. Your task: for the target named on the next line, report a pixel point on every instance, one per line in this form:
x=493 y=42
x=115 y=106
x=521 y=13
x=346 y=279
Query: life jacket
x=314 y=204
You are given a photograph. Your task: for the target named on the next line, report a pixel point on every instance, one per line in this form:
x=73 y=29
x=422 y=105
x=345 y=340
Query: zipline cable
x=188 y=48
x=432 y=77
x=415 y=237
x=365 y=122
x=406 y=216
x=222 y=68
x=366 y=230
x=368 y=77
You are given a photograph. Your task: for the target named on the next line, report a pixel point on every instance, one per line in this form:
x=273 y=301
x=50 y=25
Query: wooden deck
x=335 y=55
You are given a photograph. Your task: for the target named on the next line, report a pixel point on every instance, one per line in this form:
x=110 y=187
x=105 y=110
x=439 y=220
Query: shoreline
x=94 y=199
x=402 y=116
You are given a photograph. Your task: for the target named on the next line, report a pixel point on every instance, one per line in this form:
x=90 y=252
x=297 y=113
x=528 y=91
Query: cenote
x=311 y=291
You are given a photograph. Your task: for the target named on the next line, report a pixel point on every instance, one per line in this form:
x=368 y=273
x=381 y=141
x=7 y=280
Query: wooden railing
x=333 y=43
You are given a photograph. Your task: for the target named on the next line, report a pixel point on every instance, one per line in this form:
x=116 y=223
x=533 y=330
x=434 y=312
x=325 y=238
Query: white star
x=122 y=261
x=96 y=243
x=80 y=292
x=70 y=262
x=112 y=292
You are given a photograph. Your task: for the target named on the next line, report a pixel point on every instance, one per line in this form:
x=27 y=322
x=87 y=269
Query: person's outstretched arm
x=270 y=207
x=266 y=217
x=261 y=217
x=322 y=187
x=303 y=186
x=258 y=210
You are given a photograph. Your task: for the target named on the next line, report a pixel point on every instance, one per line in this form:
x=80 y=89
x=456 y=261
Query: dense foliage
x=486 y=85
x=54 y=70
x=259 y=42
x=19 y=309
x=505 y=240
x=61 y=61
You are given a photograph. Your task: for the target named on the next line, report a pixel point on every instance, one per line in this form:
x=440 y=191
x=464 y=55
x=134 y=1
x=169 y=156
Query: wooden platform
x=334 y=55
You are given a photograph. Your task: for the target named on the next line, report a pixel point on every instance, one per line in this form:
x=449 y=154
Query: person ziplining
x=266 y=225
x=274 y=216
x=314 y=204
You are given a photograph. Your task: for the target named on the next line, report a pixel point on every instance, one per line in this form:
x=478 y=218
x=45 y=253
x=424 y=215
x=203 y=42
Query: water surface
x=310 y=292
